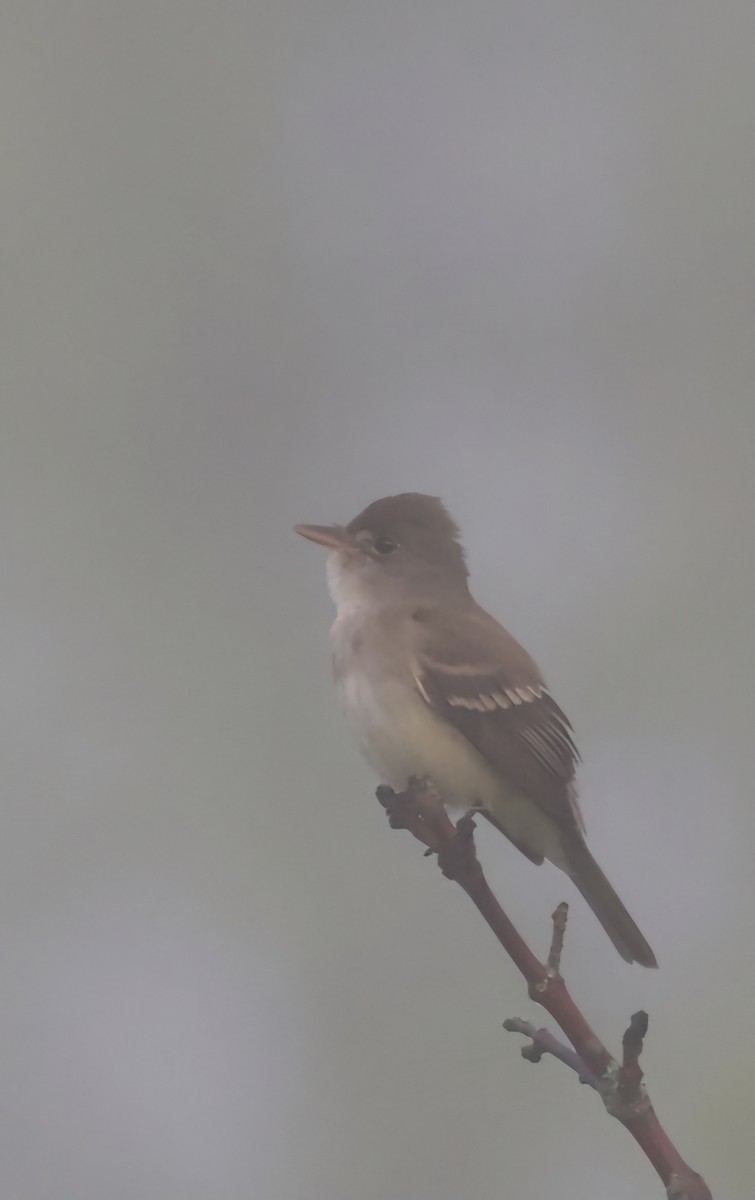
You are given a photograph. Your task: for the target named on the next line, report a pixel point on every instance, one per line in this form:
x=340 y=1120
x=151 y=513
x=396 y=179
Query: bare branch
x=421 y=810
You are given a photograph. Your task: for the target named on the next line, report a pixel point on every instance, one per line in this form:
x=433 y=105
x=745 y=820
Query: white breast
x=398 y=732
x=400 y=737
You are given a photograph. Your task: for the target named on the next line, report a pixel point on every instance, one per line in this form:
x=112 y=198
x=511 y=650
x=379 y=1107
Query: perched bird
x=434 y=686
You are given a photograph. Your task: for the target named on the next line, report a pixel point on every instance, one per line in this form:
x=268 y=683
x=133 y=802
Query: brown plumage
x=434 y=685
x=481 y=681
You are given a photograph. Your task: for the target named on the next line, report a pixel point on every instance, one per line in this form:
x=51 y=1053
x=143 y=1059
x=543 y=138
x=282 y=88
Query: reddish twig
x=421 y=810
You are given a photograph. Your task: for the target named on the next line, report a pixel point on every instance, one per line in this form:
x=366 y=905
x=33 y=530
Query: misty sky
x=263 y=263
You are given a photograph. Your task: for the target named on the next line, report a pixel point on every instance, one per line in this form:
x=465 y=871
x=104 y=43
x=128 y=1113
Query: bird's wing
x=472 y=673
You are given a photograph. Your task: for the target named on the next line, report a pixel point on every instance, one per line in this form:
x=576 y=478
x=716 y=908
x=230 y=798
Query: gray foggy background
x=262 y=263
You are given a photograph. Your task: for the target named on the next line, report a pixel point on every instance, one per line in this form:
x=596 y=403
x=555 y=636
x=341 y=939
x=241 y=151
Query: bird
x=434 y=687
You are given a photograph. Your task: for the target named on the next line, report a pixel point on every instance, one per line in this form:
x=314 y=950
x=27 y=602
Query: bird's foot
x=401 y=807
x=420 y=809
x=457 y=857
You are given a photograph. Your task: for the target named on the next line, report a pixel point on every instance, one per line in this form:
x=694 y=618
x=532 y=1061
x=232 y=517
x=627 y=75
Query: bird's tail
x=597 y=891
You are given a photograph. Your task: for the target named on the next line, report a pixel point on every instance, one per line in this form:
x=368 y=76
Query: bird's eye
x=384 y=545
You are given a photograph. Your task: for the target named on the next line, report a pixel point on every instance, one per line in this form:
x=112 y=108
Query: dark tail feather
x=604 y=902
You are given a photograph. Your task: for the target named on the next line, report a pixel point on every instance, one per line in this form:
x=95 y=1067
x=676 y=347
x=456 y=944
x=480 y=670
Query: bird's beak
x=335 y=537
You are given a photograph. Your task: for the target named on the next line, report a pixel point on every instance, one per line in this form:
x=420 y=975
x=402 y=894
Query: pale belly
x=400 y=736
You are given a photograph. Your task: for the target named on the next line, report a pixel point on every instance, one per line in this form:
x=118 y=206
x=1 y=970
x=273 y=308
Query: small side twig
x=542 y=1041
x=629 y=1082
x=557 y=941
